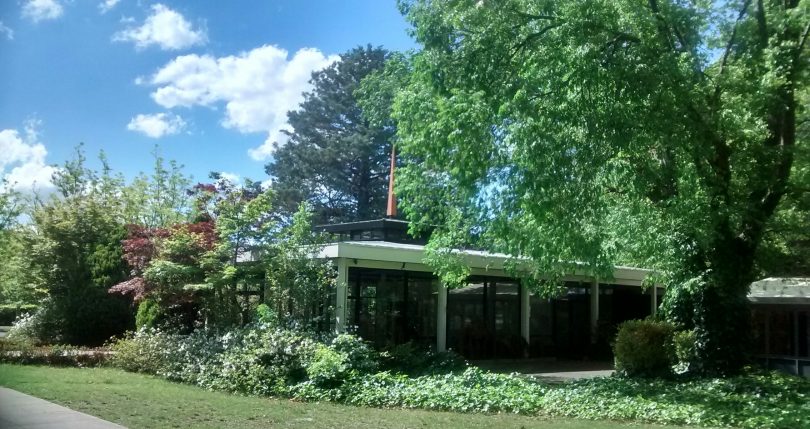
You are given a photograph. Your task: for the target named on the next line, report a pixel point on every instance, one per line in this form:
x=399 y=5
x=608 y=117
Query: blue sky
x=208 y=81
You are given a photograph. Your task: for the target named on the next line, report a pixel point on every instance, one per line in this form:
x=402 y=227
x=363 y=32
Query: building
x=781 y=323
x=388 y=295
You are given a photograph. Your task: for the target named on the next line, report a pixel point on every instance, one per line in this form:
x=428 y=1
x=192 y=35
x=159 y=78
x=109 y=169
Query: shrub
x=328 y=368
x=266 y=316
x=148 y=350
x=259 y=361
x=359 y=355
x=26 y=329
x=686 y=355
x=148 y=314
x=57 y=355
x=643 y=348
x=414 y=360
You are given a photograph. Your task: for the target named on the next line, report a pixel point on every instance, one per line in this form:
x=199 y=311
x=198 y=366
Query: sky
x=208 y=81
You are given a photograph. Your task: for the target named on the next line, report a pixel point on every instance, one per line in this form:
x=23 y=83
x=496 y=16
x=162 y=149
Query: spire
x=391 y=211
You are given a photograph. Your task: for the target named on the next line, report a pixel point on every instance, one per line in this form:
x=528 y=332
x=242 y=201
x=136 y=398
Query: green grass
x=139 y=401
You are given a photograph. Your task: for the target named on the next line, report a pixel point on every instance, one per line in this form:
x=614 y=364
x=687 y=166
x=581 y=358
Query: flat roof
x=780 y=290
x=406 y=253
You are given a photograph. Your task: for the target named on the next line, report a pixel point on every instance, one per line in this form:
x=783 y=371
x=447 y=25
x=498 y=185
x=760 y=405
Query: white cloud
x=231 y=177
x=107 y=5
x=22 y=159
x=258 y=87
x=165 y=28
x=157 y=125
x=7 y=31
x=42 y=10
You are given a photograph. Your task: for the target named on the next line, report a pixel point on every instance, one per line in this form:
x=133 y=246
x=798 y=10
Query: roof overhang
x=776 y=290
x=414 y=254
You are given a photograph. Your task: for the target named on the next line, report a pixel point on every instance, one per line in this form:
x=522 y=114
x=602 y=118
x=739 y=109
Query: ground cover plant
x=272 y=361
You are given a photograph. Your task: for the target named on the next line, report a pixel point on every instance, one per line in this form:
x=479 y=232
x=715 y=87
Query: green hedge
x=644 y=348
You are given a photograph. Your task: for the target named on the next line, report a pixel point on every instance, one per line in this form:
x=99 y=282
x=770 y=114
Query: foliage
x=147 y=350
x=659 y=133
x=258 y=359
x=148 y=314
x=785 y=250
x=334 y=158
x=328 y=368
x=470 y=391
x=266 y=316
x=299 y=286
x=683 y=343
x=160 y=199
x=409 y=358
x=26 y=328
x=19 y=293
x=75 y=254
x=246 y=226
x=358 y=353
x=56 y=355
x=643 y=348
x=261 y=360
x=108 y=393
x=754 y=400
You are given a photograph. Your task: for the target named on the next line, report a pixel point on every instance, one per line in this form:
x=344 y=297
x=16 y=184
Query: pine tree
x=335 y=159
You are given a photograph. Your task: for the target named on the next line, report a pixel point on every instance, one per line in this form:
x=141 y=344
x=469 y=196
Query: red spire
x=391 y=211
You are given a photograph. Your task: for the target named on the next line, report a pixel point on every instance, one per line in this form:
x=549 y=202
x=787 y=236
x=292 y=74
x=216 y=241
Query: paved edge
x=19 y=410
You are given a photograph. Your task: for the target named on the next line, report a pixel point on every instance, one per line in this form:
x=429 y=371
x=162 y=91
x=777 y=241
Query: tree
x=204 y=271
x=785 y=249
x=657 y=132
x=75 y=254
x=335 y=159
x=299 y=286
x=18 y=292
x=160 y=199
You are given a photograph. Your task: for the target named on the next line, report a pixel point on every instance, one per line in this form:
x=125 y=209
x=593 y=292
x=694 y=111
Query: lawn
x=139 y=401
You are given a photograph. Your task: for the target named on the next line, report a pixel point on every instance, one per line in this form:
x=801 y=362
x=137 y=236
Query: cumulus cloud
x=107 y=5
x=165 y=28
x=7 y=31
x=22 y=159
x=42 y=10
x=257 y=87
x=157 y=125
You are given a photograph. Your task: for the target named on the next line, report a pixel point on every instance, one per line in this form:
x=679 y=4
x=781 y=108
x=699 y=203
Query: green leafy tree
x=299 y=286
x=160 y=199
x=75 y=254
x=245 y=225
x=785 y=250
x=335 y=159
x=657 y=132
x=18 y=292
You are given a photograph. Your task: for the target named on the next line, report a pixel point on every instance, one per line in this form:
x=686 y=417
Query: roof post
x=341 y=295
x=441 y=318
x=594 y=295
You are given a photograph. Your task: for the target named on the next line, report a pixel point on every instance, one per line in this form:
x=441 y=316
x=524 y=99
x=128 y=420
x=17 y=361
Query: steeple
x=391 y=210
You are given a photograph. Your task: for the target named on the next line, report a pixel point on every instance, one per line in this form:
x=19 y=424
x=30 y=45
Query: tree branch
x=762 y=25
x=731 y=40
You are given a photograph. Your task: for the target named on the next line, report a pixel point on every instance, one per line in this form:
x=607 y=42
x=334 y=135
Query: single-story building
x=388 y=295
x=781 y=323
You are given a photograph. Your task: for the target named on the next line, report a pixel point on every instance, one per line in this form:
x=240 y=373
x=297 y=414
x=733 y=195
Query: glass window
x=782 y=333
x=483 y=319
x=390 y=307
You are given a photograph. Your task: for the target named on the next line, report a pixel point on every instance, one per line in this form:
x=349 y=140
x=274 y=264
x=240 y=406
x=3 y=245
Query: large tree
x=334 y=158
x=74 y=252
x=659 y=132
